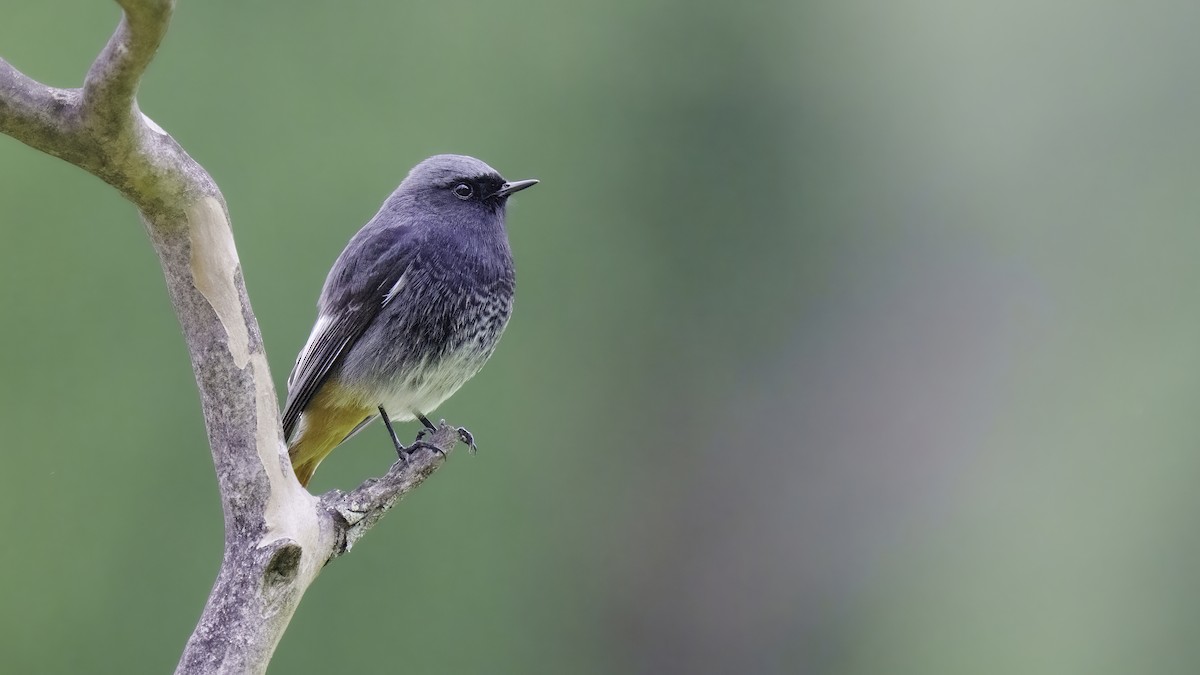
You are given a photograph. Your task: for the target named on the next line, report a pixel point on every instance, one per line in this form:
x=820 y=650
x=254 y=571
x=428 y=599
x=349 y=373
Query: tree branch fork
x=277 y=535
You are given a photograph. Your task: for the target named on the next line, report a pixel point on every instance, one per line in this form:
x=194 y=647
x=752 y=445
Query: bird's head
x=461 y=185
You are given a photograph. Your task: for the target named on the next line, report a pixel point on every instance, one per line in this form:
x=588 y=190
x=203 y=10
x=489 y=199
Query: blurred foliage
x=850 y=337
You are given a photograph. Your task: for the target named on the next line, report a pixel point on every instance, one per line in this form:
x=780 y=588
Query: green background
x=851 y=337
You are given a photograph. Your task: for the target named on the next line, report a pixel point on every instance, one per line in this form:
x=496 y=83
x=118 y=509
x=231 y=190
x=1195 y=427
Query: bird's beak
x=515 y=186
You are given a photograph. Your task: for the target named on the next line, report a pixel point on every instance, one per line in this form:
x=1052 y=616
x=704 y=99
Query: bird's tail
x=305 y=470
x=322 y=428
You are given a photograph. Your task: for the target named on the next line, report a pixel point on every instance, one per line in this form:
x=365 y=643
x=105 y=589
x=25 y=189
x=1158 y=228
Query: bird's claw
x=418 y=444
x=406 y=453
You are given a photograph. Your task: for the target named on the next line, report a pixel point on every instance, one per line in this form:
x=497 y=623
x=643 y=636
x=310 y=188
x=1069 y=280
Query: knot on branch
x=283 y=566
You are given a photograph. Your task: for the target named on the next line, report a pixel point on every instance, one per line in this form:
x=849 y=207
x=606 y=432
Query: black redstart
x=411 y=310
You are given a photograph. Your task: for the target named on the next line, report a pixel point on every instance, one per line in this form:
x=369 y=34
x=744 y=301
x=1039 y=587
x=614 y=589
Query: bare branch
x=99 y=127
x=39 y=116
x=112 y=81
x=277 y=535
x=355 y=513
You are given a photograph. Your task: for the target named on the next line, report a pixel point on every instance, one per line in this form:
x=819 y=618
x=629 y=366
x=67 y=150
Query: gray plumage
x=416 y=303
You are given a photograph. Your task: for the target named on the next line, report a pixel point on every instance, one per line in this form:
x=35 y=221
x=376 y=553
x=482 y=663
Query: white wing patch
x=323 y=322
x=396 y=288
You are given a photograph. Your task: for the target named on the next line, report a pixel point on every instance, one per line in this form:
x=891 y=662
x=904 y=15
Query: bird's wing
x=362 y=280
x=330 y=339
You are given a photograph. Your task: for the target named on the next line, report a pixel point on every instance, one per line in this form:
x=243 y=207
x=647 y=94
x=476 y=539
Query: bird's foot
x=464 y=436
x=407 y=453
x=428 y=426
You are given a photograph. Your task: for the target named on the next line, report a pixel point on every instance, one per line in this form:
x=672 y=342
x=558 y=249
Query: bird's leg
x=401 y=451
x=387 y=422
x=425 y=421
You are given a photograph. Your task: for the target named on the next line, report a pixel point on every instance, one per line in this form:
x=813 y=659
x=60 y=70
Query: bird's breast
x=434 y=373
x=429 y=339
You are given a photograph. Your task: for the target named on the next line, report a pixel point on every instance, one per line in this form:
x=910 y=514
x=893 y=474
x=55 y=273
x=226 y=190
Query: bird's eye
x=463 y=191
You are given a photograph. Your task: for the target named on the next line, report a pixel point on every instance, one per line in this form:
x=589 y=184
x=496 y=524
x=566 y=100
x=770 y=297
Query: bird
x=411 y=309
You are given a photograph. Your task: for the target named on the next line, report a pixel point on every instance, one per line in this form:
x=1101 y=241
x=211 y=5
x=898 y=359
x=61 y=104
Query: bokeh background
x=851 y=337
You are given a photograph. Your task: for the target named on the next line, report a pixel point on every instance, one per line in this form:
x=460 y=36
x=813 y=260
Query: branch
x=277 y=535
x=359 y=511
x=39 y=116
x=112 y=81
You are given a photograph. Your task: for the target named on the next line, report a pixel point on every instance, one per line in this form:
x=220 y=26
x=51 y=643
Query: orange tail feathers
x=322 y=428
x=305 y=471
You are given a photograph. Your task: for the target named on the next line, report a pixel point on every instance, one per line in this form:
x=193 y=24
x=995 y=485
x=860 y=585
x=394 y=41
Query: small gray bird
x=411 y=310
